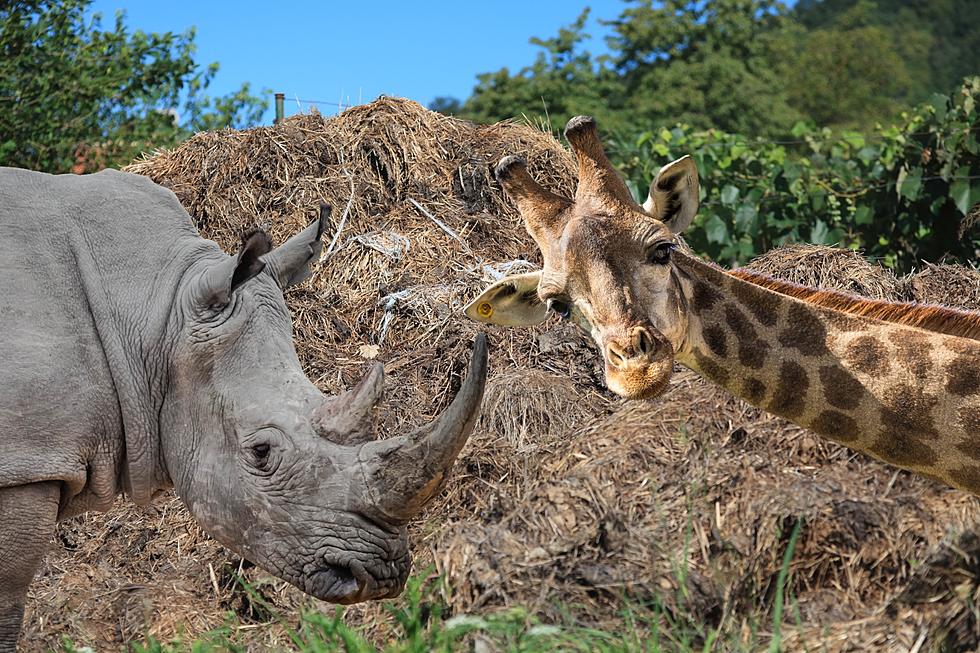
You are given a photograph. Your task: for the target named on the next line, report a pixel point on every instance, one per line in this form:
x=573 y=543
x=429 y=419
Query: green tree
x=446 y=105
x=563 y=81
x=855 y=72
x=72 y=92
x=714 y=63
x=755 y=67
x=937 y=40
x=706 y=62
x=903 y=193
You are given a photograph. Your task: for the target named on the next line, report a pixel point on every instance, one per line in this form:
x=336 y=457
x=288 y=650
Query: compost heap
x=566 y=500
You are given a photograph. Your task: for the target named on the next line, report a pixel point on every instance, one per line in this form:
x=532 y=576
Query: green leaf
x=909 y=183
x=959 y=192
x=729 y=195
x=867 y=154
x=635 y=191
x=863 y=215
x=820 y=232
x=745 y=218
x=716 y=230
x=854 y=139
x=799 y=130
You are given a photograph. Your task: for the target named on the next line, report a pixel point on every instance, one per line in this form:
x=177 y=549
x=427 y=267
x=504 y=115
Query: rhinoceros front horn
x=406 y=472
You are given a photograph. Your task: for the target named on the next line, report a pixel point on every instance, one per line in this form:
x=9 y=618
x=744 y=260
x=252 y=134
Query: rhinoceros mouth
x=336 y=584
x=346 y=584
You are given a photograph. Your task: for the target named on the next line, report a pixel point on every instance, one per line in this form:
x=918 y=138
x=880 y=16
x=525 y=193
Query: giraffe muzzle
x=639 y=363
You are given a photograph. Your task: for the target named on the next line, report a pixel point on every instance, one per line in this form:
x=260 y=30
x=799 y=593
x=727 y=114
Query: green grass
x=419 y=626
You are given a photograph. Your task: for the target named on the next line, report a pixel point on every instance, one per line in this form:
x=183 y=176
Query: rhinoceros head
x=271 y=467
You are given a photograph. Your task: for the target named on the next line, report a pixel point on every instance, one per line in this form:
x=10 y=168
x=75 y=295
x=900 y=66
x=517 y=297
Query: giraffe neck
x=904 y=394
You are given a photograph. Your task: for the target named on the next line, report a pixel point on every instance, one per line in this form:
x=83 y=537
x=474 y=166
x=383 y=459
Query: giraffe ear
x=674 y=194
x=512 y=301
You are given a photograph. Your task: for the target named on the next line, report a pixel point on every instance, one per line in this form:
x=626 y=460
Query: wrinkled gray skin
x=135 y=355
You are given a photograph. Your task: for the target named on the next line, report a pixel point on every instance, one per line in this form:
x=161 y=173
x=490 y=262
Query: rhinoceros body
x=136 y=355
x=89 y=267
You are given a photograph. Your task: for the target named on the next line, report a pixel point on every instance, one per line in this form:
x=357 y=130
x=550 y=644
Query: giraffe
x=898 y=381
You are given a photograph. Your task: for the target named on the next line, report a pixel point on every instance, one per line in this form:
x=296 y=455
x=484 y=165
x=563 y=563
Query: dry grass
x=566 y=500
x=953 y=285
x=831 y=268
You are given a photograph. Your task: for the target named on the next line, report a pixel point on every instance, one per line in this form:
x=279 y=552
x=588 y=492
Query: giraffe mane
x=938 y=319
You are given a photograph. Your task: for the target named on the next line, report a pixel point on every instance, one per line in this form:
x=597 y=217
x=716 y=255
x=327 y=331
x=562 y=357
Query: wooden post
x=280 y=108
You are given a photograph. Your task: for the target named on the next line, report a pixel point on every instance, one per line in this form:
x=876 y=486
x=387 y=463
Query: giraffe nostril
x=617 y=357
x=644 y=341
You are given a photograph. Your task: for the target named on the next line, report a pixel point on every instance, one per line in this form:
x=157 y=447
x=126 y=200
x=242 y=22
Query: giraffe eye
x=660 y=254
x=561 y=307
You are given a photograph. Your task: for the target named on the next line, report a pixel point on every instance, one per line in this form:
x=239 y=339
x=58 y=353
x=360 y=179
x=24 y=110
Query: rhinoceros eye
x=260 y=453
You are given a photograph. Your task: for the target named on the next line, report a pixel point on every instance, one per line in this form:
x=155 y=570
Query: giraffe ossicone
x=898 y=381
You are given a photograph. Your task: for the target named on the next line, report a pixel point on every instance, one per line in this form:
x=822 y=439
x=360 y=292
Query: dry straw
x=565 y=500
x=946 y=284
x=819 y=266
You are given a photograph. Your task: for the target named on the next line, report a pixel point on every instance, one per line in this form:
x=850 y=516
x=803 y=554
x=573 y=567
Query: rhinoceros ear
x=290 y=263
x=220 y=281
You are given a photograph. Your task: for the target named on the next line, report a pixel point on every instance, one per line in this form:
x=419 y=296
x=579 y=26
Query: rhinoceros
x=137 y=356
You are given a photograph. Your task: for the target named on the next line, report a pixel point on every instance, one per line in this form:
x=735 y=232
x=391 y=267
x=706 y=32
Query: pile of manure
x=566 y=500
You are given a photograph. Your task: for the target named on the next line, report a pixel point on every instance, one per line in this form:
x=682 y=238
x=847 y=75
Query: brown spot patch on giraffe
x=840 y=387
x=705 y=296
x=967 y=477
x=763 y=305
x=907 y=425
x=869 y=355
x=836 y=425
x=913 y=349
x=899 y=449
x=844 y=322
x=710 y=368
x=804 y=331
x=716 y=339
x=969 y=417
x=789 y=398
x=752 y=350
x=970 y=449
x=963 y=376
x=753 y=391
x=963 y=346
x=909 y=409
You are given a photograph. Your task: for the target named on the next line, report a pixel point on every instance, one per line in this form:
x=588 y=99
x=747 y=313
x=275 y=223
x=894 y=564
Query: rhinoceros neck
x=133 y=244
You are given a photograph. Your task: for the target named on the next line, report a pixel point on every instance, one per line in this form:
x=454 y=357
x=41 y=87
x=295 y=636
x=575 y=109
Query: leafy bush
x=903 y=194
x=77 y=96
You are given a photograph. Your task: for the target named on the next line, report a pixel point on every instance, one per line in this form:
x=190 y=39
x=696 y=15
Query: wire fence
x=723 y=139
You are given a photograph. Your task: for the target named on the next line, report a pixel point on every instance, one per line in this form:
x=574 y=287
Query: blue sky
x=356 y=50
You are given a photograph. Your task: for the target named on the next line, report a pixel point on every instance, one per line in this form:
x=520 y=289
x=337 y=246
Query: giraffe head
x=607 y=262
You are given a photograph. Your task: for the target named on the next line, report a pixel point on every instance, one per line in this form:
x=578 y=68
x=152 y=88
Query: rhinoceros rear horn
x=220 y=281
x=404 y=477
x=346 y=418
x=290 y=262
